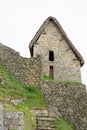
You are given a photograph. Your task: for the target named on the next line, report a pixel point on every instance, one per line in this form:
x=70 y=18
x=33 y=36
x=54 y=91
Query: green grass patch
x=47 y=78
x=62 y=124
x=30 y=120
x=10 y=89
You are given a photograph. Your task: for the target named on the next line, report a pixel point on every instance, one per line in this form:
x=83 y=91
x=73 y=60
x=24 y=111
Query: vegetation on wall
x=47 y=78
x=62 y=124
x=10 y=89
x=17 y=97
x=30 y=98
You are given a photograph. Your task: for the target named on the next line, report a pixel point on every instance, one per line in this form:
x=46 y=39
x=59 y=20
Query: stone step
x=45 y=128
x=45 y=123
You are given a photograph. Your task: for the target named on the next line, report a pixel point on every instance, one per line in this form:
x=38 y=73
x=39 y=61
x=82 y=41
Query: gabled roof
x=39 y=32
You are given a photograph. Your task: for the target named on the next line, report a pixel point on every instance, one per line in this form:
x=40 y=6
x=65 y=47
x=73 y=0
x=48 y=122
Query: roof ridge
x=38 y=33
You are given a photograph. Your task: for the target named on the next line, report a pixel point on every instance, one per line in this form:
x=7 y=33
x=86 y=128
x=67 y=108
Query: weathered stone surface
x=45 y=123
x=40 y=112
x=66 y=65
x=13 y=120
x=53 y=111
x=69 y=99
x=1 y=118
x=26 y=70
x=15 y=101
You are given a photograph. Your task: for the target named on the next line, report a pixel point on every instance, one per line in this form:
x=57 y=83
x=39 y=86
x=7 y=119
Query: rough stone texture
x=15 y=101
x=13 y=121
x=66 y=64
x=39 y=112
x=1 y=118
x=45 y=123
x=70 y=100
x=45 y=119
x=26 y=70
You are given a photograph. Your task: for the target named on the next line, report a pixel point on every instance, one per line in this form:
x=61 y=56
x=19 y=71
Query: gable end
x=40 y=31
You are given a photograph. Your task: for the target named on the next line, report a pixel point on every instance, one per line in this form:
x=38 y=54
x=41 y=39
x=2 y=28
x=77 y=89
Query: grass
x=47 y=78
x=62 y=124
x=30 y=120
x=10 y=89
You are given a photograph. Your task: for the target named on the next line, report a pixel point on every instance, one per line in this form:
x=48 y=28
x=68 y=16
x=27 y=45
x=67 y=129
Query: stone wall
x=66 y=65
x=26 y=70
x=67 y=100
x=11 y=120
x=1 y=118
x=70 y=100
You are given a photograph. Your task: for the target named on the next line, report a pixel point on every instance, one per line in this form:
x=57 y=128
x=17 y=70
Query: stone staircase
x=45 y=123
x=45 y=119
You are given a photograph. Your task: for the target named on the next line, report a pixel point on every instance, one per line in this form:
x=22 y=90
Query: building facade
x=60 y=59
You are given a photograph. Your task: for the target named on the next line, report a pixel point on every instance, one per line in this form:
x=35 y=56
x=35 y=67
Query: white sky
x=20 y=19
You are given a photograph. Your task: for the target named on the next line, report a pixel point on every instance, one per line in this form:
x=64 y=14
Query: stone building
x=60 y=59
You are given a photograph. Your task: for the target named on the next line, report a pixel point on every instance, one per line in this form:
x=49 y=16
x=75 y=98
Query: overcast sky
x=20 y=19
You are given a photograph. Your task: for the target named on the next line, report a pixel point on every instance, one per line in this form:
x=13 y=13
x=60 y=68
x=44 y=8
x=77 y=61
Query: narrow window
x=51 y=72
x=51 y=55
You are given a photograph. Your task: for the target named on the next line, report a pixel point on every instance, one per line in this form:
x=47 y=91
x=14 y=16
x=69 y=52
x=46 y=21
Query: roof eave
x=38 y=33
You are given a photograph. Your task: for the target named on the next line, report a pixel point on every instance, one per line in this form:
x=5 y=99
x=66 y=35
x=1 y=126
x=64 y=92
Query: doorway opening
x=51 y=72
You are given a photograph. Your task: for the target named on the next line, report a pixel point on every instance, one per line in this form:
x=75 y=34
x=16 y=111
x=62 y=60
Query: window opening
x=51 y=55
